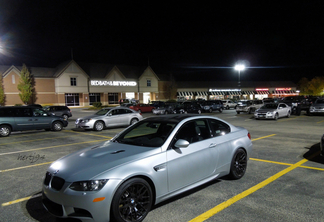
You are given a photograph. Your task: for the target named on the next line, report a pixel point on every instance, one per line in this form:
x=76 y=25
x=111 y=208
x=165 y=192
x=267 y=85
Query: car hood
x=266 y=110
x=91 y=117
x=318 y=105
x=87 y=163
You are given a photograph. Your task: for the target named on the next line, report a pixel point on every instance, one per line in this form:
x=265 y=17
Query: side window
x=148 y=82
x=193 y=131
x=219 y=128
x=23 y=112
x=6 y=112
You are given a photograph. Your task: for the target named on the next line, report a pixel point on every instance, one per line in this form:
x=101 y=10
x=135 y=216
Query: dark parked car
x=63 y=111
x=21 y=118
x=211 y=105
x=192 y=107
x=299 y=103
x=157 y=104
x=168 y=108
x=316 y=107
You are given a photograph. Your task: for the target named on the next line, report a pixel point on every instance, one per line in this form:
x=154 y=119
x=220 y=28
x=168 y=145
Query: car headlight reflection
x=90 y=185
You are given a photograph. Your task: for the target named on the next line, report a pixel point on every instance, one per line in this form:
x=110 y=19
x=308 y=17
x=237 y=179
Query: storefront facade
x=74 y=84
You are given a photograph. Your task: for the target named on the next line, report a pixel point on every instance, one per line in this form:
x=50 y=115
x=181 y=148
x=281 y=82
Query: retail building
x=78 y=84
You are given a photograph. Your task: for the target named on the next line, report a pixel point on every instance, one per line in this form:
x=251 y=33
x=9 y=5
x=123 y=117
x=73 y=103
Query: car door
x=282 y=110
x=41 y=119
x=113 y=118
x=24 y=118
x=196 y=162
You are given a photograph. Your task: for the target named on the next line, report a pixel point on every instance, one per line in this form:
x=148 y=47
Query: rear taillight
x=249 y=135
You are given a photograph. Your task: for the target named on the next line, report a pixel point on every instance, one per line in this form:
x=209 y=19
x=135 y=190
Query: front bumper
x=67 y=203
x=84 y=125
x=264 y=115
x=158 y=112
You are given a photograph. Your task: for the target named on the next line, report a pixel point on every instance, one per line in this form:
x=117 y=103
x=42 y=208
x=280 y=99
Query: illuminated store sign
x=263 y=89
x=283 y=89
x=112 y=83
x=223 y=90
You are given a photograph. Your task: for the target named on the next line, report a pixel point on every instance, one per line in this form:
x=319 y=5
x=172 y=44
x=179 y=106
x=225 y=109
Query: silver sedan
x=109 y=117
x=273 y=111
x=147 y=163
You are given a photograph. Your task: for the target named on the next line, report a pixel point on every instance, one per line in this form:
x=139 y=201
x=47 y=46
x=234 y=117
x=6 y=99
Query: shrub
x=97 y=104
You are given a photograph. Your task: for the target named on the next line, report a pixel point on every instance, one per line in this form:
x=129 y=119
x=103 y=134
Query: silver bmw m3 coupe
x=145 y=164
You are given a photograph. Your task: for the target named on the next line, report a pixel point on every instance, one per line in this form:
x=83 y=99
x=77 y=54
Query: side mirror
x=181 y=143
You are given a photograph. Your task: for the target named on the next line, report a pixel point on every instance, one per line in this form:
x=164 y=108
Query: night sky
x=193 y=40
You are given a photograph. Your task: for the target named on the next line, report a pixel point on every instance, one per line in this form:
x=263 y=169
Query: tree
x=316 y=86
x=25 y=85
x=303 y=86
x=171 y=88
x=2 y=95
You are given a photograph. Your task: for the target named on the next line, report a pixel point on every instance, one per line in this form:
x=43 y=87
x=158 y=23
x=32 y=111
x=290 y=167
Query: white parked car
x=229 y=104
x=273 y=111
x=109 y=117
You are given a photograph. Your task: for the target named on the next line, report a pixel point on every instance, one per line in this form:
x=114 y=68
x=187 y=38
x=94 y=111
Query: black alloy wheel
x=238 y=164
x=132 y=201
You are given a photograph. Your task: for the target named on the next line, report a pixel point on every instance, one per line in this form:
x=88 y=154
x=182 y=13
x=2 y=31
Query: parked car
x=191 y=107
x=298 y=103
x=35 y=105
x=63 y=111
x=229 y=104
x=317 y=107
x=109 y=117
x=142 y=108
x=248 y=106
x=145 y=164
x=211 y=105
x=22 y=118
x=168 y=108
x=157 y=104
x=273 y=111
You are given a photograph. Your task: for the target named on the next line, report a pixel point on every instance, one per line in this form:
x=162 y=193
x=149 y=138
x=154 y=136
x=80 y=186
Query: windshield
x=102 y=112
x=146 y=133
x=269 y=106
x=319 y=101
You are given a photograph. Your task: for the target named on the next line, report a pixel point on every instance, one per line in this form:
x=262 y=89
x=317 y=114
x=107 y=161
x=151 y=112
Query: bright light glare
x=239 y=67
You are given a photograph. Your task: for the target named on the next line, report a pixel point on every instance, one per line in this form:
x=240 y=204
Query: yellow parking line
x=91 y=134
x=27 y=141
x=50 y=147
x=240 y=196
x=287 y=164
x=20 y=200
x=263 y=137
x=24 y=167
x=321 y=121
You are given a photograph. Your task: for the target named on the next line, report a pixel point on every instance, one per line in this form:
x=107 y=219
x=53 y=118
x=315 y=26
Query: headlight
x=90 y=185
x=312 y=107
x=86 y=120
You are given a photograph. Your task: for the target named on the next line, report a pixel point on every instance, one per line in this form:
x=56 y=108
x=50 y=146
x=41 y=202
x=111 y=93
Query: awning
x=184 y=94
x=247 y=92
x=265 y=92
x=282 y=92
x=223 y=93
x=201 y=93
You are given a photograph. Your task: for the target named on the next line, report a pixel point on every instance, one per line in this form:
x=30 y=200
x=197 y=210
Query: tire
x=210 y=110
x=166 y=112
x=66 y=117
x=238 y=112
x=276 y=116
x=5 y=130
x=227 y=107
x=133 y=121
x=132 y=201
x=220 y=110
x=238 y=164
x=57 y=126
x=250 y=111
x=288 y=114
x=98 y=126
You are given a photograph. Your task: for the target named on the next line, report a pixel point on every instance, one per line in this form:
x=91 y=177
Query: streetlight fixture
x=239 y=68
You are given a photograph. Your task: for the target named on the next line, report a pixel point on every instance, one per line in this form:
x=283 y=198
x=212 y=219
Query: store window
x=73 y=81
x=72 y=99
x=13 y=79
x=113 y=98
x=148 y=82
x=94 y=97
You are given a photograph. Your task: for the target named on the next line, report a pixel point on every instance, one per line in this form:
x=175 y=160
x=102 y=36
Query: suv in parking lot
x=63 y=111
x=299 y=103
x=21 y=118
x=248 y=106
x=229 y=104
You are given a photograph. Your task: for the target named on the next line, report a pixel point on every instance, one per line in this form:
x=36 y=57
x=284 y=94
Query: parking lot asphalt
x=283 y=181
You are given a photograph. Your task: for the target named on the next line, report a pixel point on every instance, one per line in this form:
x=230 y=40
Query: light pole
x=239 y=68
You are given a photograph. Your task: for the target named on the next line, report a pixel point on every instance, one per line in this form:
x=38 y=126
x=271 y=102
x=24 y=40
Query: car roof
x=175 y=118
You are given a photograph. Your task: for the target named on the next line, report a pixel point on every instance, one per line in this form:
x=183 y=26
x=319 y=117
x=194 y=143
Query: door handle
x=212 y=145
